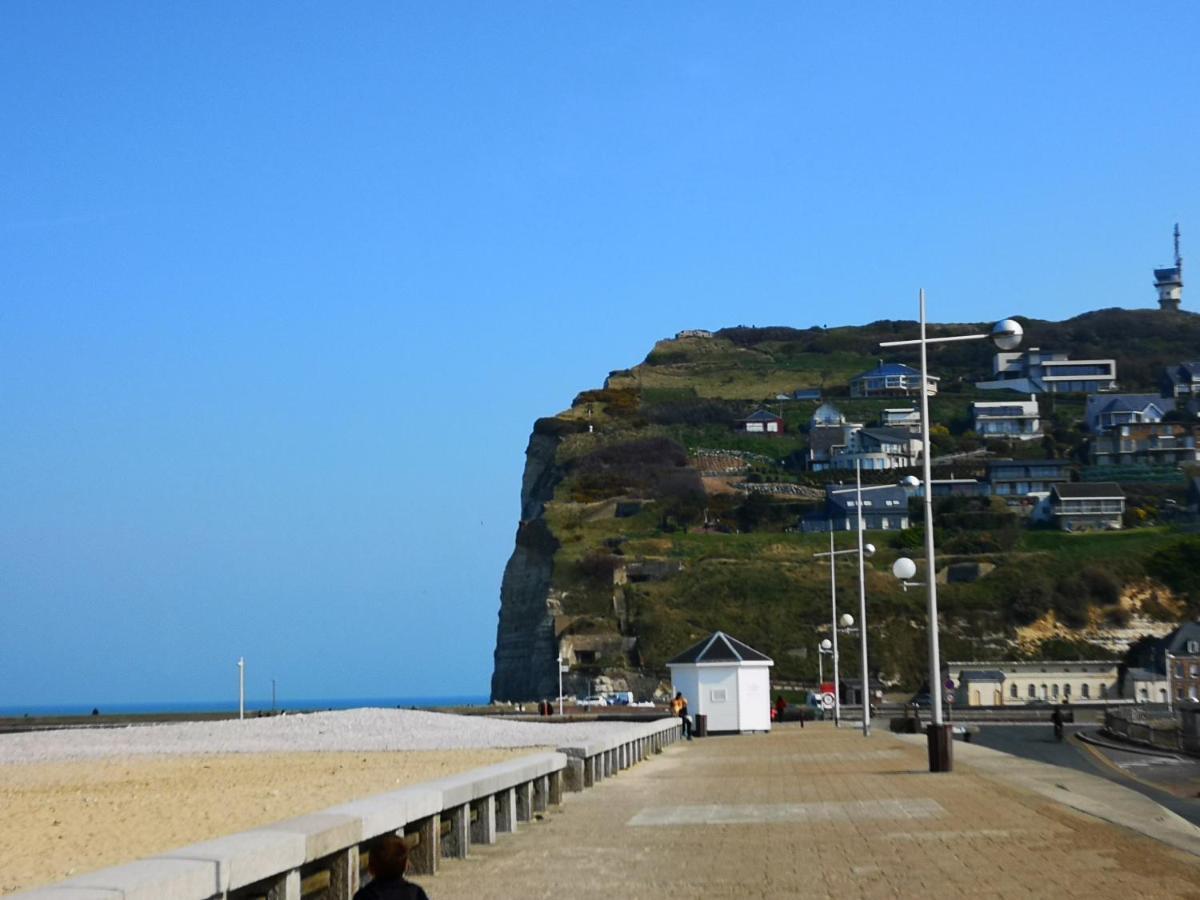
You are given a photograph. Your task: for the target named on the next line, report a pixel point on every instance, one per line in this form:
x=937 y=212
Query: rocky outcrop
x=525 y=661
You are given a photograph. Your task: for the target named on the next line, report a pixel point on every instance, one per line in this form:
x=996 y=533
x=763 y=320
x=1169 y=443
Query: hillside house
x=828 y=432
x=884 y=509
x=876 y=449
x=1015 y=479
x=1016 y=420
x=1112 y=410
x=891 y=380
x=1161 y=444
x=1006 y=683
x=906 y=418
x=1182 y=380
x=1035 y=371
x=1087 y=506
x=1144 y=670
x=761 y=421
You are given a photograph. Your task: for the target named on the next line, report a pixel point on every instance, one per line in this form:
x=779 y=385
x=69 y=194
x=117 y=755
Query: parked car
x=593 y=700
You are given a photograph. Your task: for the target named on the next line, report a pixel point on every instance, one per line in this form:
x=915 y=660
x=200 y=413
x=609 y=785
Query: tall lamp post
x=864 y=551
x=1006 y=335
x=824 y=647
x=869 y=550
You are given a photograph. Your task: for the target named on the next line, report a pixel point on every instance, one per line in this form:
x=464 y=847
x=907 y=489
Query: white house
x=726 y=681
x=907 y=418
x=877 y=449
x=1035 y=371
x=1016 y=420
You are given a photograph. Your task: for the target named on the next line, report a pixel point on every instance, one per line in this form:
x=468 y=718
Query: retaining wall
x=323 y=855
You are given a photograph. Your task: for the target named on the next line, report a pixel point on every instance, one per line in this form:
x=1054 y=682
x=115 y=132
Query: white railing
x=322 y=856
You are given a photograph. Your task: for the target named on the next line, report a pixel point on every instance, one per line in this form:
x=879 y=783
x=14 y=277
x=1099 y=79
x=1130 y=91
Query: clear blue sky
x=286 y=284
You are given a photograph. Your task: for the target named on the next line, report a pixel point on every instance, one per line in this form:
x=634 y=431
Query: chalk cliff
x=526 y=653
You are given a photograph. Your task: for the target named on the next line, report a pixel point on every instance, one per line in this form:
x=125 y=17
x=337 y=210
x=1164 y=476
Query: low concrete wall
x=321 y=856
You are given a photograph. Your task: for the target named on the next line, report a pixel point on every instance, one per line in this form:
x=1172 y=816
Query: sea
x=184 y=707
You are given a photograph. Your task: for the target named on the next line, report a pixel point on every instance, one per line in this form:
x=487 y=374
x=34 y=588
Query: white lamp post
x=1006 y=335
x=561 y=669
x=864 y=551
x=847 y=620
x=825 y=646
x=241 y=687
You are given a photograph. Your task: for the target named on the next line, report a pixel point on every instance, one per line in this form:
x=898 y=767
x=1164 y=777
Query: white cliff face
x=526 y=666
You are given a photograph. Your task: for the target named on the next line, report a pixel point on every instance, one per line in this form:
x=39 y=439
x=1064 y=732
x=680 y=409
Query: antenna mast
x=1178 y=258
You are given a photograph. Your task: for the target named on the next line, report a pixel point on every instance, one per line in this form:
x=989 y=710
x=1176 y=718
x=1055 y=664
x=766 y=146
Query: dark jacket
x=391 y=889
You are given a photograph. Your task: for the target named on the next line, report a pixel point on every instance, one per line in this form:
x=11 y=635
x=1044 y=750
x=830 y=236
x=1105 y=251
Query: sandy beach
x=84 y=799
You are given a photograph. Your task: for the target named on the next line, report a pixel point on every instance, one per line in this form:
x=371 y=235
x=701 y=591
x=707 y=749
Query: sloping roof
x=1185 y=371
x=1128 y=403
x=885 y=369
x=761 y=415
x=877 y=497
x=1177 y=640
x=719 y=647
x=889 y=435
x=1088 y=490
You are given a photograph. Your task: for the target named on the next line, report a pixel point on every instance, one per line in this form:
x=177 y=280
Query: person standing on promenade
x=780 y=706
x=387 y=863
x=679 y=706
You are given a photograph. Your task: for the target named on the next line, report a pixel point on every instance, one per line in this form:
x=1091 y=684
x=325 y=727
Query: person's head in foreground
x=388 y=859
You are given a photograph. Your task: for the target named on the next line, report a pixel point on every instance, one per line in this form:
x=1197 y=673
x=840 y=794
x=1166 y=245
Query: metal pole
x=560 y=702
x=241 y=688
x=820 y=665
x=1170 y=687
x=862 y=603
x=935 y=665
x=272 y=696
x=837 y=687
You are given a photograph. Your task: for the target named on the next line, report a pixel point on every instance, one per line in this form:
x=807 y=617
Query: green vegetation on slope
x=630 y=495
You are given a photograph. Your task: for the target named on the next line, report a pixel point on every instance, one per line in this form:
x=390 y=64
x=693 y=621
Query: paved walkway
x=817 y=812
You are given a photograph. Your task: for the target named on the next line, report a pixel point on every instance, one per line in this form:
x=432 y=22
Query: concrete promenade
x=818 y=812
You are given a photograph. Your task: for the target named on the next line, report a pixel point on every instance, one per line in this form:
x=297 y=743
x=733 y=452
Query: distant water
x=252 y=706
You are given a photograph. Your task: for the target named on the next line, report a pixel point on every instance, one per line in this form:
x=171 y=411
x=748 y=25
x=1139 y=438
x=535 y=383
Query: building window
x=1054 y=691
x=1085 y=691
x=1032 y=692
x=1012 y=690
x=1066 y=690
x=1045 y=695
x=1103 y=691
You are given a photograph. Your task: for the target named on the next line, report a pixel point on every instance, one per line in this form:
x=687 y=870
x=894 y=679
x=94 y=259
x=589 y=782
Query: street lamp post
x=865 y=549
x=561 y=669
x=1170 y=687
x=241 y=687
x=1006 y=335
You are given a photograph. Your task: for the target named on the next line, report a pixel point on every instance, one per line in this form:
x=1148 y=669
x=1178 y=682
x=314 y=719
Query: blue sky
x=285 y=285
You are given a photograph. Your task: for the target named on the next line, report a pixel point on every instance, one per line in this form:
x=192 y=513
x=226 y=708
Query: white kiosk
x=726 y=681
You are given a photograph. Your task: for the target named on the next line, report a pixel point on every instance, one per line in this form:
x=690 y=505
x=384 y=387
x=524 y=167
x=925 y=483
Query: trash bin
x=701 y=725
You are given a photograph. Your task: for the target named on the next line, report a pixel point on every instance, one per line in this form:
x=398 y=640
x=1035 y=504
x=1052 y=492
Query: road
x=1172 y=781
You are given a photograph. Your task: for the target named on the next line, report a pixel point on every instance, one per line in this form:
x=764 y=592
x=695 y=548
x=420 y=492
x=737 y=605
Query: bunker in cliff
x=727 y=681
